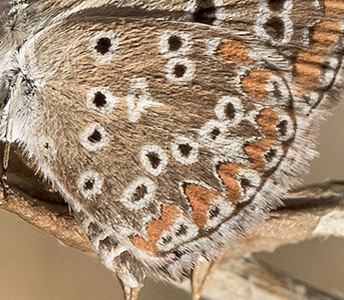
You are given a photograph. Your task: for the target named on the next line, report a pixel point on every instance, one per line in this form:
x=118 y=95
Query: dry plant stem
x=200 y=273
x=244 y=278
x=43 y=217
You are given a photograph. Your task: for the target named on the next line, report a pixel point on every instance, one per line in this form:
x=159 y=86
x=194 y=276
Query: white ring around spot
x=148 y=164
x=188 y=74
x=165 y=46
x=238 y=109
x=176 y=152
x=111 y=101
x=93 y=146
x=97 y=182
x=128 y=194
x=106 y=57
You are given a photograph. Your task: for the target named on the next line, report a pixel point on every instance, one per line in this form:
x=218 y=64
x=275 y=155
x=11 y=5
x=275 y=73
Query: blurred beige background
x=35 y=266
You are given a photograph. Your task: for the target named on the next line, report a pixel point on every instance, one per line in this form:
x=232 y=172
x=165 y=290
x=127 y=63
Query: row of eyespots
x=175 y=45
x=172 y=44
x=104 y=46
x=95 y=137
x=263 y=153
x=273 y=22
x=100 y=99
x=216 y=211
x=154 y=158
x=141 y=192
x=214 y=208
x=211 y=212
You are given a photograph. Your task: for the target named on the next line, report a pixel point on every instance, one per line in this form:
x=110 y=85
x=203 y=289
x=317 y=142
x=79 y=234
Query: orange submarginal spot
x=155 y=228
x=254 y=84
x=200 y=197
x=256 y=151
x=307 y=70
x=325 y=34
x=227 y=172
x=334 y=7
x=267 y=120
x=234 y=51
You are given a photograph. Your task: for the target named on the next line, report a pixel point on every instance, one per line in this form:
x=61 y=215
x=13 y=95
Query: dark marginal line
x=329 y=86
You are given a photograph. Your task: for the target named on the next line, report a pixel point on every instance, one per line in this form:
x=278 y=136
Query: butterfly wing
x=169 y=135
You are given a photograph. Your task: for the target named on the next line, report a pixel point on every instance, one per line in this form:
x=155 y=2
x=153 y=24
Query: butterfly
x=169 y=127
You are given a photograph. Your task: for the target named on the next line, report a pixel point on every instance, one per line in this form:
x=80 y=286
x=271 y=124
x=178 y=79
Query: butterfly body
x=169 y=126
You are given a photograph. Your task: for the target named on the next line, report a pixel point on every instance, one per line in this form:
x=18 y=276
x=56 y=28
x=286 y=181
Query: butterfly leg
x=200 y=274
x=6 y=190
x=129 y=292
